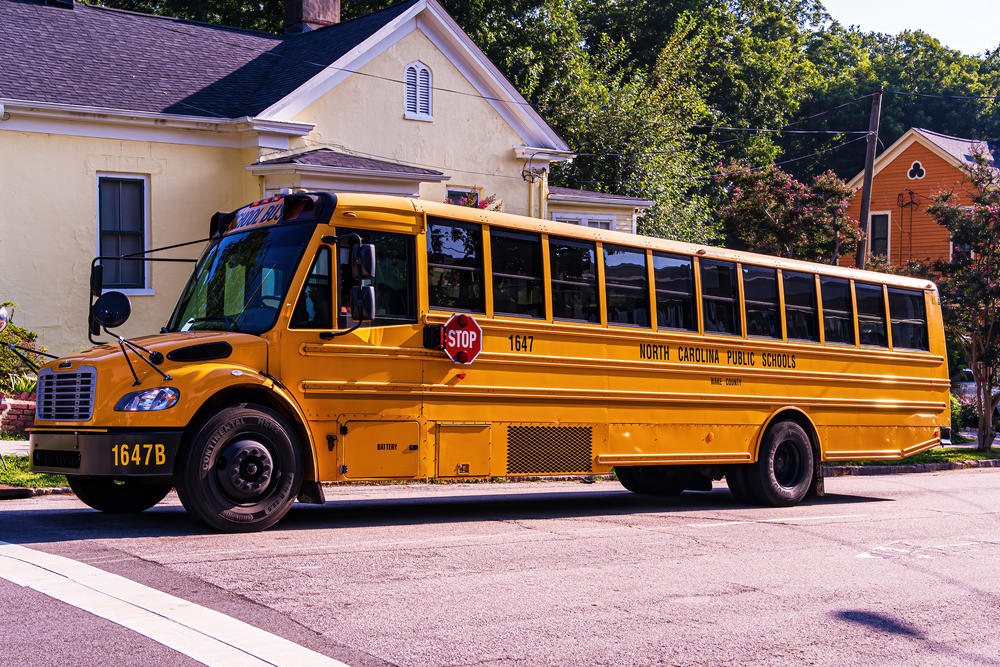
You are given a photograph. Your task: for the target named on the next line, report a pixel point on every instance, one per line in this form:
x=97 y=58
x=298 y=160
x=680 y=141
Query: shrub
x=23 y=384
x=10 y=364
x=956 y=414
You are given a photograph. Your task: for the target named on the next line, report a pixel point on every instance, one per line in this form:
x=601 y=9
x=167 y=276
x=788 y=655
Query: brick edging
x=846 y=471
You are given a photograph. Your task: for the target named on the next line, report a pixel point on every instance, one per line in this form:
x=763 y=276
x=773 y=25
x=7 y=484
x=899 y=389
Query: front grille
x=66 y=396
x=548 y=449
x=51 y=459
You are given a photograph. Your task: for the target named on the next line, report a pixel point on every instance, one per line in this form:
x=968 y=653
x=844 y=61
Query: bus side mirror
x=110 y=310
x=96 y=280
x=363 y=262
x=363 y=303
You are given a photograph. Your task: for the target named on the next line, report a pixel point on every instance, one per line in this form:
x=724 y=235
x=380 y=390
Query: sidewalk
x=14 y=447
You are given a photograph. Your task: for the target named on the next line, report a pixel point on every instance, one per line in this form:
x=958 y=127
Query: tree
x=970 y=283
x=774 y=214
x=266 y=15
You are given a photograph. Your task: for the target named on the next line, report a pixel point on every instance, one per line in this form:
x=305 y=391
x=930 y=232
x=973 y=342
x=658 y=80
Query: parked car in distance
x=963 y=385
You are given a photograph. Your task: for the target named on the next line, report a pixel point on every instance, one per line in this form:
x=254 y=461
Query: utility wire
x=945 y=97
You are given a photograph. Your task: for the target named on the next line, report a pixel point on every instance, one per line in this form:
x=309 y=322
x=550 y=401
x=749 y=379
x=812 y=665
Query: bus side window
x=909 y=319
x=625 y=284
x=574 y=280
x=455 y=265
x=314 y=309
x=800 y=305
x=517 y=273
x=838 y=314
x=871 y=314
x=674 y=277
x=760 y=298
x=719 y=295
x=395 y=273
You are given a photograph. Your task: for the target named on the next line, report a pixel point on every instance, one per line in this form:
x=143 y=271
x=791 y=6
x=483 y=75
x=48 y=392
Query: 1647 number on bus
x=139 y=455
x=521 y=343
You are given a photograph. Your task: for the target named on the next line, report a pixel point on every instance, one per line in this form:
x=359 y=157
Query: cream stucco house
x=122 y=131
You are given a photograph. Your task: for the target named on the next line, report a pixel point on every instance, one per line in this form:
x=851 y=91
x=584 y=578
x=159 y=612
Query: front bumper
x=135 y=454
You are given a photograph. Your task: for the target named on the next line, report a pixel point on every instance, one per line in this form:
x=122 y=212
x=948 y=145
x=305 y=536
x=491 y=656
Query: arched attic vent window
x=417 y=85
x=916 y=171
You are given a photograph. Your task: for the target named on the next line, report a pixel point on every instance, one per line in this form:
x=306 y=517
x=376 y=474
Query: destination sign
x=258 y=214
x=704 y=355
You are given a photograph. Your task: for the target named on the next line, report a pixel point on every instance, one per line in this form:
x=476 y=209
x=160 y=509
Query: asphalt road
x=890 y=570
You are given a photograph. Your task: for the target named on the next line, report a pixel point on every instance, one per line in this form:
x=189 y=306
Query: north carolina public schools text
x=698 y=355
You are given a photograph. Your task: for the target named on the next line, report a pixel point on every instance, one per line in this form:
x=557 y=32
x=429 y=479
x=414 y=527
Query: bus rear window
x=719 y=297
x=760 y=294
x=871 y=314
x=455 y=265
x=909 y=318
x=574 y=280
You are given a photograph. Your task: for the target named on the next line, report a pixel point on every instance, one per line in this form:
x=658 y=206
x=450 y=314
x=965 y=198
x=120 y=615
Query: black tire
x=783 y=472
x=649 y=480
x=118 y=496
x=736 y=479
x=240 y=469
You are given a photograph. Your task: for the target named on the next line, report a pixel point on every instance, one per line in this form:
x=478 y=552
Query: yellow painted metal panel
x=463 y=450
x=377 y=450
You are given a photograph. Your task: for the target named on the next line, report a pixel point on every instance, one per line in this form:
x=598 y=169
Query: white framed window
x=123 y=229
x=417 y=92
x=916 y=171
x=595 y=221
x=879 y=233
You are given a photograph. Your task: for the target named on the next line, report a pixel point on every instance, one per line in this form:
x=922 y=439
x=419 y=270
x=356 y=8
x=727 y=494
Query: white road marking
x=783 y=520
x=207 y=636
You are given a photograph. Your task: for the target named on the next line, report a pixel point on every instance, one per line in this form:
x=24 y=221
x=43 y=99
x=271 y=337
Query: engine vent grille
x=66 y=396
x=548 y=449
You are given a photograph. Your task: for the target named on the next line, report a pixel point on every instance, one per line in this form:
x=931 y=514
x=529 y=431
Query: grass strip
x=930 y=456
x=12 y=435
x=17 y=474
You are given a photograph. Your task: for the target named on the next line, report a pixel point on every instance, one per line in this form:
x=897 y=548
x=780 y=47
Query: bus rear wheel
x=240 y=469
x=118 y=496
x=783 y=472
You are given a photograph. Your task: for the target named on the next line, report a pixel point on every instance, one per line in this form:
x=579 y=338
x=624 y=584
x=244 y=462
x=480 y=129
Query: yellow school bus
x=307 y=347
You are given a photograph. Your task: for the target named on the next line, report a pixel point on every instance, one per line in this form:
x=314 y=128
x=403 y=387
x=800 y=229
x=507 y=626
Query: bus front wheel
x=117 y=496
x=239 y=469
x=784 y=469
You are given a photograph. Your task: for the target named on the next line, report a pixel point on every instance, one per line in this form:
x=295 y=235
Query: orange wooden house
x=908 y=174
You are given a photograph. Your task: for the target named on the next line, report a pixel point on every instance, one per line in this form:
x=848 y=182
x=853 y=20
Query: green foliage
x=956 y=413
x=970 y=284
x=11 y=366
x=17 y=474
x=23 y=383
x=267 y=15
x=774 y=214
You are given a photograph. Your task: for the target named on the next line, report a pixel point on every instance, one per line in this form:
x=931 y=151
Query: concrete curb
x=846 y=471
x=20 y=492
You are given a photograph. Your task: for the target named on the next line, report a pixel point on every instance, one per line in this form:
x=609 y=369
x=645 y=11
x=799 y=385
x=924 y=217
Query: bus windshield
x=240 y=281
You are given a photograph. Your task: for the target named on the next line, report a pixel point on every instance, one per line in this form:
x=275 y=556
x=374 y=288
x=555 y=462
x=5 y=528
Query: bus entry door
x=389 y=449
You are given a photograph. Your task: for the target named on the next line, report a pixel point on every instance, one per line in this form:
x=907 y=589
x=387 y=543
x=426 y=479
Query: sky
x=971 y=26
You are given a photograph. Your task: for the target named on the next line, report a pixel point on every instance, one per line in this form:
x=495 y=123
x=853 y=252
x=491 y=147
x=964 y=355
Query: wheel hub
x=244 y=470
x=786 y=465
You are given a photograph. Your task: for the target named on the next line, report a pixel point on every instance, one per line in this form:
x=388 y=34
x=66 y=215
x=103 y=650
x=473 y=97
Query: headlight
x=159 y=398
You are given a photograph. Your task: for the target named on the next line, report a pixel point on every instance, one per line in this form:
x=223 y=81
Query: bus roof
x=404 y=205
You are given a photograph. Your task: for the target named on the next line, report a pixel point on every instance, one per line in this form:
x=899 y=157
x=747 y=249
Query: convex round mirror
x=4 y=317
x=112 y=309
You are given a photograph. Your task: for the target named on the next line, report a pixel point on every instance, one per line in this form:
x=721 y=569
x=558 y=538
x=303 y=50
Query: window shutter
x=424 y=89
x=411 y=89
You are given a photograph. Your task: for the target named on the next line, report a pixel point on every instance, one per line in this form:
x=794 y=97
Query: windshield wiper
x=231 y=326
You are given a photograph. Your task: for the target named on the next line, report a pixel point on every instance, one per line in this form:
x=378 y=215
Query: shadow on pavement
x=59 y=525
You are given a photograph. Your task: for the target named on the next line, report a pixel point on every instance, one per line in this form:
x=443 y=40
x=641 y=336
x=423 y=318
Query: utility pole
x=866 y=188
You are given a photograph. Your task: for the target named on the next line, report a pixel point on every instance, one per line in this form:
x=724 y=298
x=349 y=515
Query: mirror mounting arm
x=330 y=335
x=122 y=343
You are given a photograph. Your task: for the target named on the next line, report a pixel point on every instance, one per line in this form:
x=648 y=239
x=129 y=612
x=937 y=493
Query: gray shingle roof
x=324 y=157
x=100 y=57
x=960 y=149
